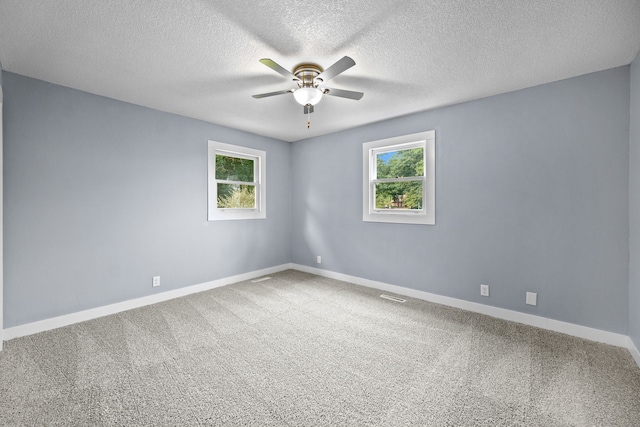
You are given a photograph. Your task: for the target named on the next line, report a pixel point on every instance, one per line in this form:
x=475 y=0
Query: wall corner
x=634 y=206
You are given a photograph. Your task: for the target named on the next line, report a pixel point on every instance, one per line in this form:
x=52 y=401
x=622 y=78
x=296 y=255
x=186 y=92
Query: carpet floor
x=303 y=350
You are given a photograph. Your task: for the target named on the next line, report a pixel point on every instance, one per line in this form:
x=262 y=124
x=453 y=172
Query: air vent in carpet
x=392 y=298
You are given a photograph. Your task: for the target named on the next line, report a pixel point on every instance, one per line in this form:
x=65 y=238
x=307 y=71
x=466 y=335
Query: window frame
x=214 y=213
x=370 y=150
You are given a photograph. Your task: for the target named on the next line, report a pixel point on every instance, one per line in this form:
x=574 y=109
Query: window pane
x=399 y=195
x=401 y=163
x=236 y=196
x=234 y=168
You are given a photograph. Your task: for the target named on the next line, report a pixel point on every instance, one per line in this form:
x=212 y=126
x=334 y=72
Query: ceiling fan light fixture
x=307 y=95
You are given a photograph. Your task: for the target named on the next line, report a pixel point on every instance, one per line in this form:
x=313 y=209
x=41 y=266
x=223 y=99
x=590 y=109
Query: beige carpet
x=302 y=350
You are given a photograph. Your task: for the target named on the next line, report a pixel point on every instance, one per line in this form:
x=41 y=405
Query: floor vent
x=392 y=298
x=262 y=279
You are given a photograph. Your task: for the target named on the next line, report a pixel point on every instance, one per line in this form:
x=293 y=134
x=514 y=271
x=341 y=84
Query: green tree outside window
x=405 y=194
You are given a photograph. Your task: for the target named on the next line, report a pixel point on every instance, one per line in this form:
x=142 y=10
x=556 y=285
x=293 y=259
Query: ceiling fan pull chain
x=308 y=120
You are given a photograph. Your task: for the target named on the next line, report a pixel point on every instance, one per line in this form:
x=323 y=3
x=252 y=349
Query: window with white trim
x=399 y=179
x=236 y=182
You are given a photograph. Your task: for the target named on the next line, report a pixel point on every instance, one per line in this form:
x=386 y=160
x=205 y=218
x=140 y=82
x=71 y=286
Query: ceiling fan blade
x=342 y=65
x=343 y=93
x=280 y=92
x=279 y=69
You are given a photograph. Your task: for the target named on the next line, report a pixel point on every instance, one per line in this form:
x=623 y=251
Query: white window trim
x=259 y=176
x=426 y=215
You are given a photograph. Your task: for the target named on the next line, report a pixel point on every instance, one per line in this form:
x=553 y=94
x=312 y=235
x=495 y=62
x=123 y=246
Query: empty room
x=359 y=213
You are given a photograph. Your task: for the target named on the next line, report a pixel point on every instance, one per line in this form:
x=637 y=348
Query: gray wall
x=532 y=195
x=634 y=206
x=101 y=195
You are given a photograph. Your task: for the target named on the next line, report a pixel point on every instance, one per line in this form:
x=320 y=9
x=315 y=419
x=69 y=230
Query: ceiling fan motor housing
x=307 y=73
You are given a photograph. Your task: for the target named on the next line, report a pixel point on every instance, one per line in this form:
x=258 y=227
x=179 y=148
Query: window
x=399 y=179
x=237 y=184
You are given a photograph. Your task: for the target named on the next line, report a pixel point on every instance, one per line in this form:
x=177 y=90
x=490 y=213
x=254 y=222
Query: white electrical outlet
x=156 y=281
x=484 y=290
x=319 y=259
x=532 y=298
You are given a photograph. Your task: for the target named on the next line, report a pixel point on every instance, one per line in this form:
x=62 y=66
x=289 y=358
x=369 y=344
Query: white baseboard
x=592 y=334
x=634 y=352
x=81 y=316
x=585 y=332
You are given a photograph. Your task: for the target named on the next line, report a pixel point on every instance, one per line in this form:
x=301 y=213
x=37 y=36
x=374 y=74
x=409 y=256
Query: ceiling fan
x=310 y=79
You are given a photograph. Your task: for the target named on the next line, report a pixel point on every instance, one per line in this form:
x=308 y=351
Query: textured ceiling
x=199 y=58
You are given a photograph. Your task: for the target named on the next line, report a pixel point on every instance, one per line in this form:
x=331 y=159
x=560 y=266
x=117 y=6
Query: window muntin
x=399 y=179
x=237 y=187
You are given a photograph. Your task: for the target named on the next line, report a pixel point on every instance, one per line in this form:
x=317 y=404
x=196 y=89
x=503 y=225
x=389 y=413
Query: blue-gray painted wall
x=531 y=195
x=101 y=195
x=634 y=206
